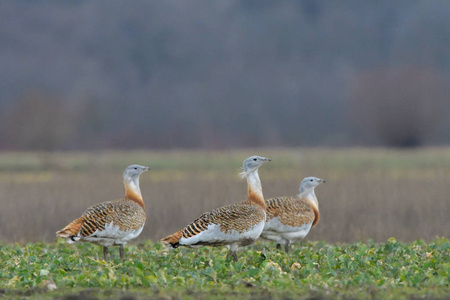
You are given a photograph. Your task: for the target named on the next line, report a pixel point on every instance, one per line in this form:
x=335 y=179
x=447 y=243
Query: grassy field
x=370 y=196
x=390 y=270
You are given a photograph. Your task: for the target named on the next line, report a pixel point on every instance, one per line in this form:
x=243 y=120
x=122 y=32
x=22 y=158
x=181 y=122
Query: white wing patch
x=275 y=230
x=112 y=235
x=214 y=236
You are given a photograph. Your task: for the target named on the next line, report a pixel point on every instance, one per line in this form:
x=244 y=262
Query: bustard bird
x=113 y=222
x=289 y=219
x=234 y=225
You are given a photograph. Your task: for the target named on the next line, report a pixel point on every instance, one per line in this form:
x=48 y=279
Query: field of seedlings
x=383 y=231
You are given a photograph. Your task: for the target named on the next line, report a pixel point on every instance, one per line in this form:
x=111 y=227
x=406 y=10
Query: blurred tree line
x=215 y=74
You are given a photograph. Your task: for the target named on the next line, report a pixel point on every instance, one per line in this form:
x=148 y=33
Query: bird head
x=252 y=163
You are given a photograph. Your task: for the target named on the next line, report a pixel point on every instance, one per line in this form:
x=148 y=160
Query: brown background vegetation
x=369 y=194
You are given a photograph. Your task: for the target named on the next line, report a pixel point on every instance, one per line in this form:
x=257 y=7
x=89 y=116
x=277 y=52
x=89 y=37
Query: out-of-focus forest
x=218 y=74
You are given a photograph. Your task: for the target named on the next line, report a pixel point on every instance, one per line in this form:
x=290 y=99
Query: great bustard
x=113 y=222
x=289 y=219
x=234 y=225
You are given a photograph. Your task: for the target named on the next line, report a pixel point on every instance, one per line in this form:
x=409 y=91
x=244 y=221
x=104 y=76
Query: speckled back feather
x=125 y=213
x=239 y=217
x=292 y=211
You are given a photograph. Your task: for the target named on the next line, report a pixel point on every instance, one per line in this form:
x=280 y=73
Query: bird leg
x=121 y=251
x=286 y=246
x=232 y=254
x=235 y=257
x=105 y=253
x=228 y=255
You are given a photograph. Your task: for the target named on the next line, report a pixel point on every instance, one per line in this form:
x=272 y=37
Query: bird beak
x=322 y=181
x=147 y=169
x=267 y=159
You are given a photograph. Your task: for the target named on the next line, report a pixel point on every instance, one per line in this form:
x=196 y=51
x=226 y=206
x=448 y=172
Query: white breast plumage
x=214 y=235
x=112 y=235
x=276 y=231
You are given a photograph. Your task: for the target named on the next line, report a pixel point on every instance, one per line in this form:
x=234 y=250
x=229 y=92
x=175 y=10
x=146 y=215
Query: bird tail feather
x=173 y=241
x=70 y=232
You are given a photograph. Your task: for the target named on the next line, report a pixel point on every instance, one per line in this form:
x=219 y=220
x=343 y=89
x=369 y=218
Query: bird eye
x=135 y=168
x=255 y=159
x=311 y=180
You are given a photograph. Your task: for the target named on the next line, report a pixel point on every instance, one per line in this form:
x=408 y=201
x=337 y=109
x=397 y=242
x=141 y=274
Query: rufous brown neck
x=255 y=193
x=312 y=200
x=133 y=192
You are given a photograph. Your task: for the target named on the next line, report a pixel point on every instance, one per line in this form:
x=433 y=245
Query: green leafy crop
x=387 y=270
